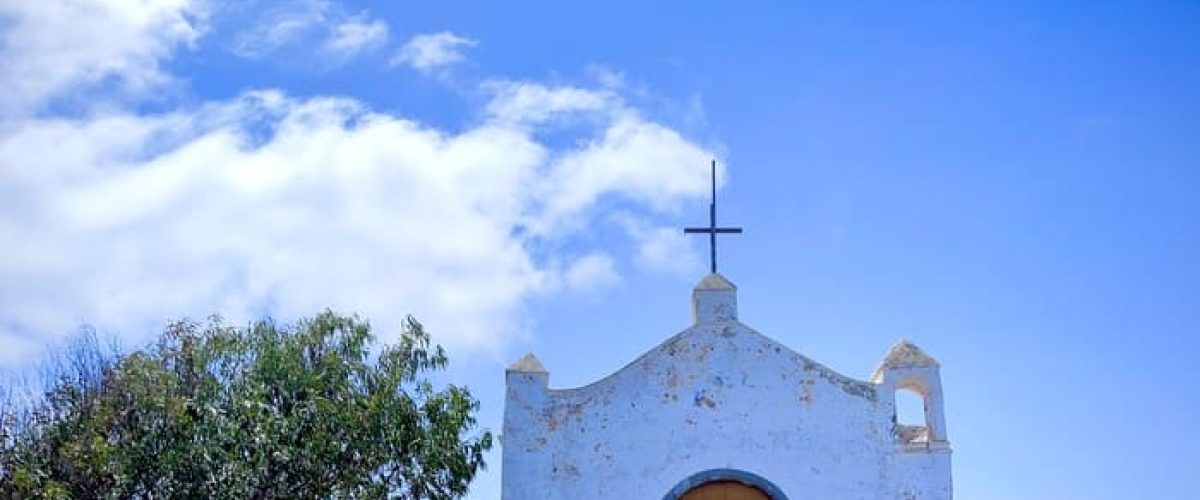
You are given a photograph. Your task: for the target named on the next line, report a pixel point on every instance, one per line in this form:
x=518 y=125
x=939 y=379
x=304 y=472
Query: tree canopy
x=264 y=411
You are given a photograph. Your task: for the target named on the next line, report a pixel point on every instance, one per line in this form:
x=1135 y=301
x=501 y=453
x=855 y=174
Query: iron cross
x=712 y=228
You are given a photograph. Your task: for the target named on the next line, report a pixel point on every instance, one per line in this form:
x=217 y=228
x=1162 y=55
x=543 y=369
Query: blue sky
x=1011 y=185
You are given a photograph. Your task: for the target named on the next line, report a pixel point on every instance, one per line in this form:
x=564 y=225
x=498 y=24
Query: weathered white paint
x=721 y=396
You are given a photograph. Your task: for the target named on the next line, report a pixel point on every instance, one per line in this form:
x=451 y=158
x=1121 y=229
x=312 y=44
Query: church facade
x=721 y=411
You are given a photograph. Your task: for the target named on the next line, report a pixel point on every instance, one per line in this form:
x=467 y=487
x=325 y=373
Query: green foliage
x=213 y=411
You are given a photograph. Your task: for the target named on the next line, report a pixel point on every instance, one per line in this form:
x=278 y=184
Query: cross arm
x=706 y=230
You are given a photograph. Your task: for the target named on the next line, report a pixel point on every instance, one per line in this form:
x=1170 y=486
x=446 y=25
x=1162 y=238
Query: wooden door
x=724 y=490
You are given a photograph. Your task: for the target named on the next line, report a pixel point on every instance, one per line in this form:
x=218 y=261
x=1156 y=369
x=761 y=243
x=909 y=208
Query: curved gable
x=709 y=343
x=719 y=396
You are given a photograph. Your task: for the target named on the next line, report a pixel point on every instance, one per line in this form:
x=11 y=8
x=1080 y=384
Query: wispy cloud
x=431 y=51
x=591 y=272
x=310 y=25
x=661 y=249
x=281 y=26
x=355 y=35
x=519 y=102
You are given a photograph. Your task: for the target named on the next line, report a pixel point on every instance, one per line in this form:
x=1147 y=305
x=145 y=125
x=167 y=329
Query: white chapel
x=720 y=411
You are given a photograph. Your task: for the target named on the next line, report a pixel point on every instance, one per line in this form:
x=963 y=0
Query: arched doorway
x=725 y=484
x=725 y=490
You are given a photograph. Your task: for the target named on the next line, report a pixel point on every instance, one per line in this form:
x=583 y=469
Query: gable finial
x=712 y=230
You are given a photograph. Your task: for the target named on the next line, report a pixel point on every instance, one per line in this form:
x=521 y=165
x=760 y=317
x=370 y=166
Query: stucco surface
x=716 y=396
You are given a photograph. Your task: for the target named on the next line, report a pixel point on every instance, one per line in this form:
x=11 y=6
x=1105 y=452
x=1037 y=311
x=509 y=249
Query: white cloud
x=125 y=221
x=307 y=25
x=593 y=271
x=606 y=76
x=282 y=25
x=269 y=204
x=430 y=51
x=641 y=161
x=355 y=35
x=660 y=248
x=525 y=103
x=52 y=48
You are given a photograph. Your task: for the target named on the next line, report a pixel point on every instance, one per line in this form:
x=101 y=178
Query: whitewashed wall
x=722 y=396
